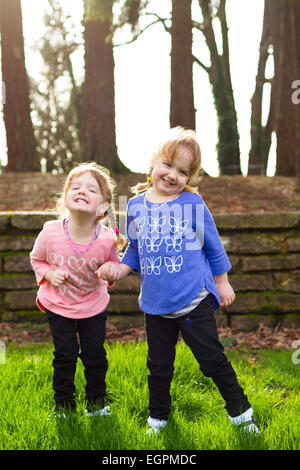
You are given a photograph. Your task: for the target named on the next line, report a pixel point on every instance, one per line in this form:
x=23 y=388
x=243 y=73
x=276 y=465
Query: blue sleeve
x=131 y=255
x=213 y=247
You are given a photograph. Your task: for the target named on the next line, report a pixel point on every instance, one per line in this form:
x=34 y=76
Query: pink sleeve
x=38 y=258
x=114 y=257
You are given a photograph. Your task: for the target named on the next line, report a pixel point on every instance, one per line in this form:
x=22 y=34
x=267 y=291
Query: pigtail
x=141 y=187
x=120 y=241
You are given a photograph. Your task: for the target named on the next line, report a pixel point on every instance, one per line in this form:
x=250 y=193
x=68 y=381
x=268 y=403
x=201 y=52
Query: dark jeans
x=91 y=335
x=199 y=331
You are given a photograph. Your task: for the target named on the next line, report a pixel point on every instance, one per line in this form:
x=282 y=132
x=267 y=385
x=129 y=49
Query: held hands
x=109 y=272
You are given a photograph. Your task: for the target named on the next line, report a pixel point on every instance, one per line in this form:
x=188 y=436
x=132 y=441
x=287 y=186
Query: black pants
x=199 y=331
x=91 y=334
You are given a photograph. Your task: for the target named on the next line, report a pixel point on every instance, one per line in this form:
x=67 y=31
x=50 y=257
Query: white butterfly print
x=153 y=265
x=173 y=263
x=143 y=266
x=173 y=244
x=152 y=244
x=177 y=225
x=140 y=245
x=140 y=223
x=155 y=223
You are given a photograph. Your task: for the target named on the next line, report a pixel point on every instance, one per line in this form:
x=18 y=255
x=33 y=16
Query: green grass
x=198 y=419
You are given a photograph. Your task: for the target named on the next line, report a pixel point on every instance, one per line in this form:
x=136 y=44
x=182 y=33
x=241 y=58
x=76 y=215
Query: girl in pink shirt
x=65 y=256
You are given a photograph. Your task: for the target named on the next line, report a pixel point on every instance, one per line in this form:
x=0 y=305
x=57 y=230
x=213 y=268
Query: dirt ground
x=279 y=337
x=37 y=192
x=226 y=194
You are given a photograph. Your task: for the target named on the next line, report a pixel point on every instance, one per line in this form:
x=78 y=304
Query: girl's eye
x=167 y=164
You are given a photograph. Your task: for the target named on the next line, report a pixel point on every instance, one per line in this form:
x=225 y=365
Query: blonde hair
x=178 y=137
x=106 y=185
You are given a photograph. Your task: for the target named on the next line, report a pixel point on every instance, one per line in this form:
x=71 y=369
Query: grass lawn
x=198 y=419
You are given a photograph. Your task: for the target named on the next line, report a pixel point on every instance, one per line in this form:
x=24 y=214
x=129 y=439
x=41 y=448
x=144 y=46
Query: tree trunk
x=220 y=78
x=286 y=71
x=228 y=137
x=182 y=110
x=297 y=35
x=98 y=134
x=260 y=135
x=19 y=131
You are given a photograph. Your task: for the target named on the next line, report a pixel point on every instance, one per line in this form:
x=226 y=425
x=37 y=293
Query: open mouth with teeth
x=169 y=183
x=80 y=199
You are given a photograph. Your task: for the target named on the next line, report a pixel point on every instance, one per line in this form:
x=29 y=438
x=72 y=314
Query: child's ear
x=101 y=209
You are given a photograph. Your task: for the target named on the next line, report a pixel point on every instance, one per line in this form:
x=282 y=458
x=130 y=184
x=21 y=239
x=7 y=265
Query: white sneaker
x=57 y=414
x=246 y=422
x=155 y=425
x=102 y=412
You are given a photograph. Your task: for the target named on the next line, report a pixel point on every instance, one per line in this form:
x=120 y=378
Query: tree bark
x=260 y=135
x=286 y=71
x=98 y=134
x=182 y=110
x=21 y=147
x=220 y=79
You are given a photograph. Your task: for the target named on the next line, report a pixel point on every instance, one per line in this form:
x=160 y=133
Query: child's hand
x=109 y=272
x=225 y=291
x=56 y=277
x=226 y=294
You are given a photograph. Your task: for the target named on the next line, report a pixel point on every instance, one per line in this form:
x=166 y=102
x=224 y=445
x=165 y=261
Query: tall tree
x=260 y=134
x=220 y=79
x=280 y=34
x=287 y=69
x=21 y=153
x=182 y=110
x=98 y=134
x=56 y=97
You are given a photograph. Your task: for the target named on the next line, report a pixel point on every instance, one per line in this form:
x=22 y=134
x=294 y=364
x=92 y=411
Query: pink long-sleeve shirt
x=83 y=295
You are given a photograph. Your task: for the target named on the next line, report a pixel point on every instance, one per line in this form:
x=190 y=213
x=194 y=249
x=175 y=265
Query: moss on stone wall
x=264 y=250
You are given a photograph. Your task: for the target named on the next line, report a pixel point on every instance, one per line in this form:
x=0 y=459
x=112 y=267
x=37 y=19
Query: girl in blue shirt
x=175 y=246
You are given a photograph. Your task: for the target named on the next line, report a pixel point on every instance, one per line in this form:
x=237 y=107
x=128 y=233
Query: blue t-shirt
x=176 y=248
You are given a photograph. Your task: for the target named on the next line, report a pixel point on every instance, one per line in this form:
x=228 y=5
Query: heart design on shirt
x=62 y=289
x=92 y=279
x=56 y=259
x=94 y=263
x=76 y=263
x=73 y=292
x=75 y=279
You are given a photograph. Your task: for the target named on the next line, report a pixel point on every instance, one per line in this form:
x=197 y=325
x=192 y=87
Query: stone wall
x=264 y=250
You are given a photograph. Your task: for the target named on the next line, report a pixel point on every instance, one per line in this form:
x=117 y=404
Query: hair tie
x=116 y=230
x=150 y=179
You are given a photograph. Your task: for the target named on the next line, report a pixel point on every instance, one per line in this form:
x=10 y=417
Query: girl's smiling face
x=84 y=195
x=170 y=177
